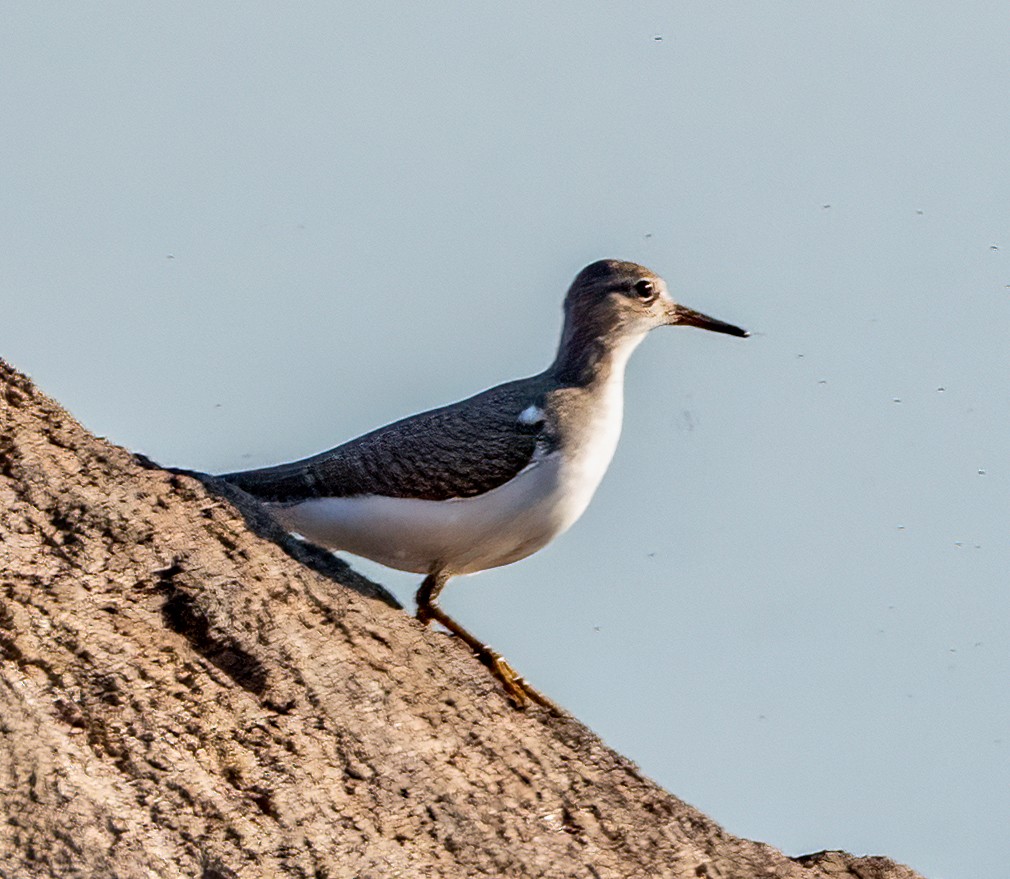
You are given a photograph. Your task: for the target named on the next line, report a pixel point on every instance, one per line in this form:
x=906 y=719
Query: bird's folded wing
x=457 y=451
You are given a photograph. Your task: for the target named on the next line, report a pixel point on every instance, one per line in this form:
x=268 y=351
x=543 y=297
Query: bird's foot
x=517 y=688
x=518 y=691
x=506 y=674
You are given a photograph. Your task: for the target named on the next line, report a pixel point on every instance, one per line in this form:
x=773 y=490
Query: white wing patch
x=531 y=415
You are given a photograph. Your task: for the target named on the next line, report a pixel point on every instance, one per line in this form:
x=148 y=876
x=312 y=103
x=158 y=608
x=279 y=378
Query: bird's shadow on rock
x=262 y=524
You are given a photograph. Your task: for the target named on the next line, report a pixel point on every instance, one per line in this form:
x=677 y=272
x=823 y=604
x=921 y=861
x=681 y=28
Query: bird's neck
x=592 y=356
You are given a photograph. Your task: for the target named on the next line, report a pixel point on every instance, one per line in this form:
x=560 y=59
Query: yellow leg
x=516 y=687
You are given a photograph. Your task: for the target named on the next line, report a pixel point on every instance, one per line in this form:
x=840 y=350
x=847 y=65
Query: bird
x=491 y=479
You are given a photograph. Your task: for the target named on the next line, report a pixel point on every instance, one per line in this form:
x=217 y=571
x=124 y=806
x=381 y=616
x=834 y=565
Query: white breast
x=459 y=536
x=465 y=535
x=587 y=460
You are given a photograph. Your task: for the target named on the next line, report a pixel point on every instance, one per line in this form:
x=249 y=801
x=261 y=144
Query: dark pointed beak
x=682 y=315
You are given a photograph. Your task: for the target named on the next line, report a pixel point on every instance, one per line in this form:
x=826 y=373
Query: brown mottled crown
x=603 y=276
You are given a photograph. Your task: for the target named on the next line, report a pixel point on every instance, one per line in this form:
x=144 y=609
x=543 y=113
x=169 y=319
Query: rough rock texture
x=181 y=697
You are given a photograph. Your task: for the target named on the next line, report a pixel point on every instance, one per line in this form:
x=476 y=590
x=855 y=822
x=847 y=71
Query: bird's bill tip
x=692 y=318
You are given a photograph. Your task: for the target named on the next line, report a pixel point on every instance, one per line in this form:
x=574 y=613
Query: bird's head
x=626 y=300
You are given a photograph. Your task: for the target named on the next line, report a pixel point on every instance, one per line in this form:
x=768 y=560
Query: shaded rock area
x=185 y=691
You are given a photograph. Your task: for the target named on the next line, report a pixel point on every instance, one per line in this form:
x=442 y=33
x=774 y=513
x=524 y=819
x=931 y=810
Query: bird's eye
x=645 y=290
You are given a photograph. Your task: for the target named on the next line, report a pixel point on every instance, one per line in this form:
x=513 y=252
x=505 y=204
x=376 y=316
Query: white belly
x=465 y=535
x=461 y=535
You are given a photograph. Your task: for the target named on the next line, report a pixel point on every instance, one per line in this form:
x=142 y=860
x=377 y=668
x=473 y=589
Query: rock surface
x=184 y=691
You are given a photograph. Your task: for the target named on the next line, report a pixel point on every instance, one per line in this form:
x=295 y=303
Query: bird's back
x=461 y=450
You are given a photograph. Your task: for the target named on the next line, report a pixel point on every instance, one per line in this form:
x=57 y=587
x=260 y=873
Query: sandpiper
x=491 y=479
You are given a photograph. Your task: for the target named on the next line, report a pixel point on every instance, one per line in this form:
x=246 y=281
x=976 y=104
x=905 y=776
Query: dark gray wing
x=457 y=451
